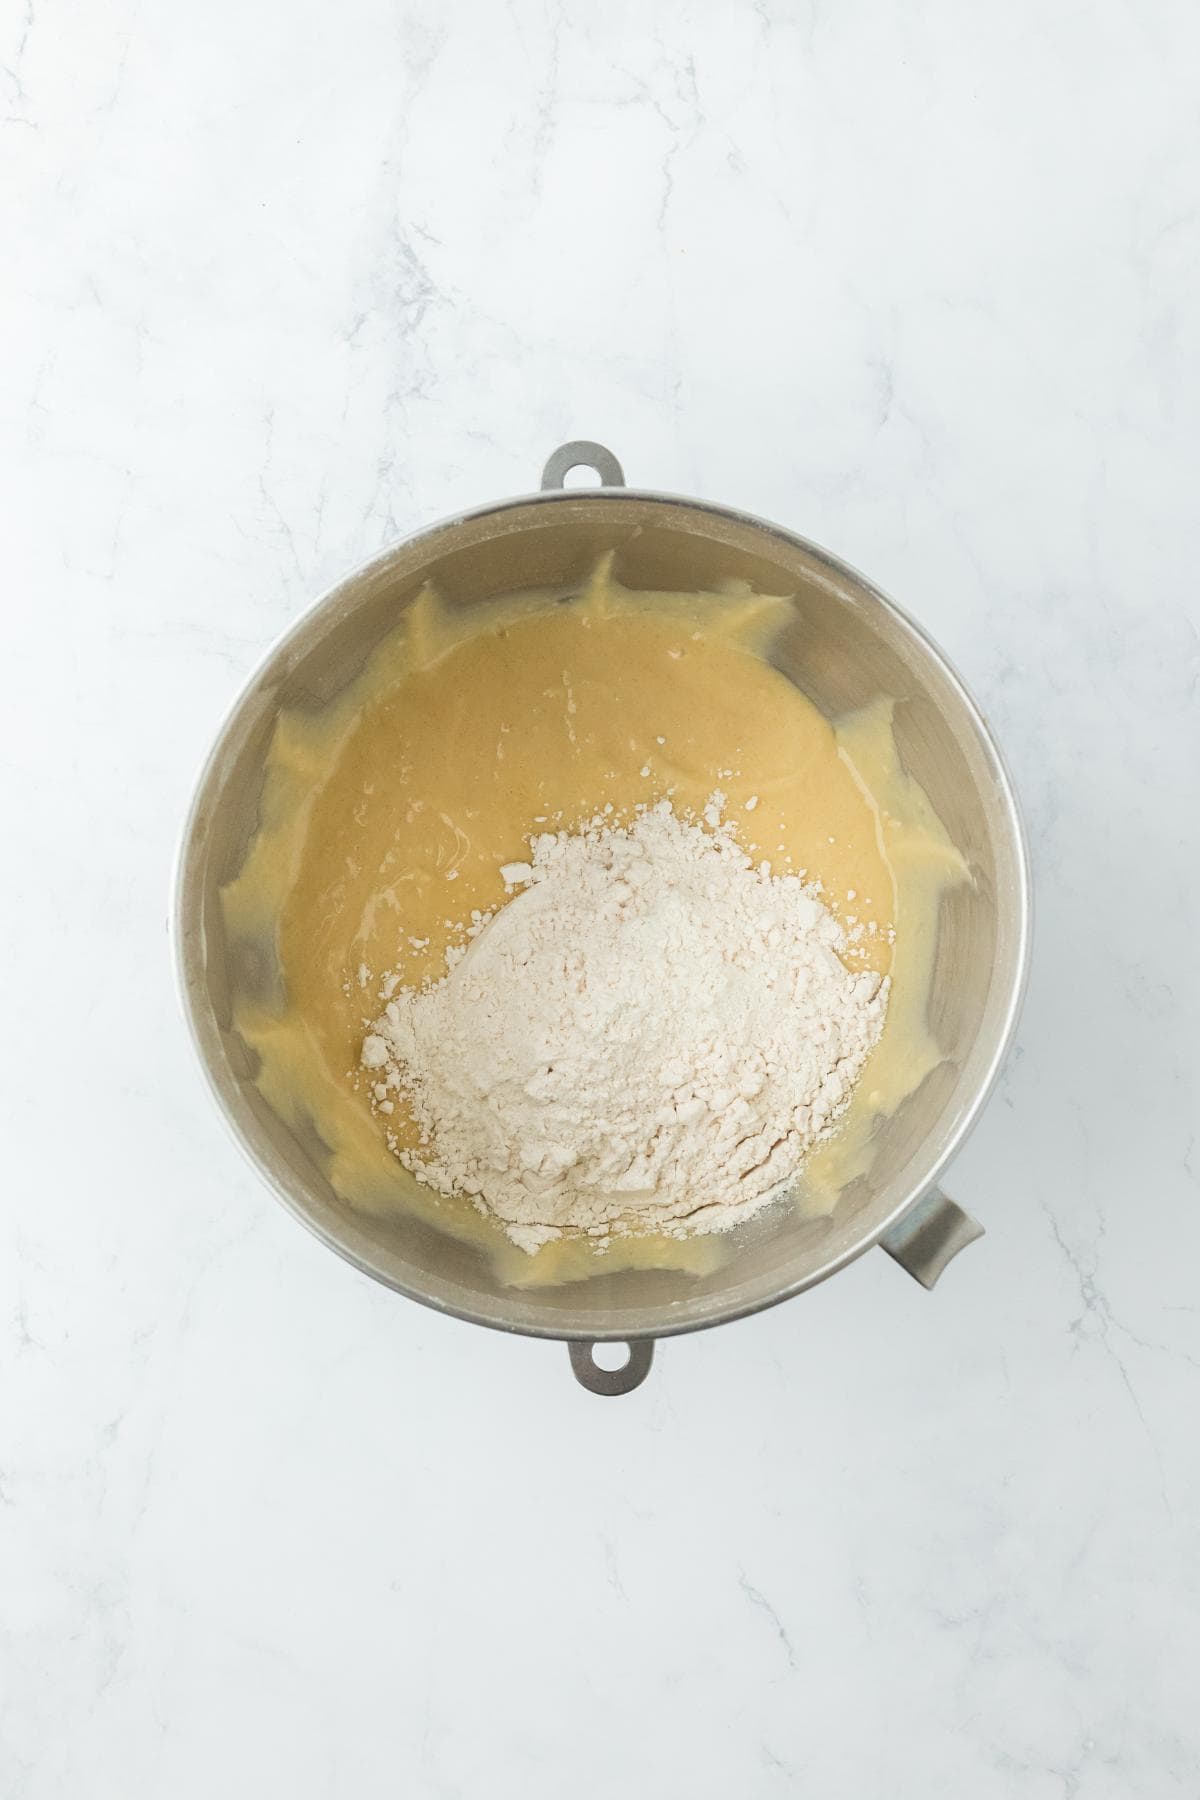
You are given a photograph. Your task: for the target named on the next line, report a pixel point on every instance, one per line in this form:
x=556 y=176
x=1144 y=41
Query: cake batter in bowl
x=874 y=687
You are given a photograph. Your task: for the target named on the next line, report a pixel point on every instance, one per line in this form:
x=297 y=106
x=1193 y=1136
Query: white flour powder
x=650 y=1035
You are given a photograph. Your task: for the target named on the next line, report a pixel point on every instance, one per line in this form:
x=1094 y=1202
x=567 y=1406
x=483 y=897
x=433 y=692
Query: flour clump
x=650 y=1035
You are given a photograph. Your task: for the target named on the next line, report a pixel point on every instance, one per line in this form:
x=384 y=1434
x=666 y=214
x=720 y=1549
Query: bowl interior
x=845 y=647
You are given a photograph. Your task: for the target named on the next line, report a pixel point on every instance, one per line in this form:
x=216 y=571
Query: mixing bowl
x=846 y=645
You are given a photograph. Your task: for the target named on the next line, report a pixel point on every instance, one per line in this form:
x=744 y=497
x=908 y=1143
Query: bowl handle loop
x=582 y=455
x=928 y=1235
x=589 y=1374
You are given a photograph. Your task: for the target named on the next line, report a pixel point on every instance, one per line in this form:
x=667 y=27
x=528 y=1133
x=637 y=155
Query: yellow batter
x=388 y=815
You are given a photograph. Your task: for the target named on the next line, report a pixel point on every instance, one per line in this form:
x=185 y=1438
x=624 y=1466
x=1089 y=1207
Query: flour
x=649 y=1036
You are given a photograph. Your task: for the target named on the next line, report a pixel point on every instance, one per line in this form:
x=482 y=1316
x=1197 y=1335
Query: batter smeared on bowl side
x=393 y=814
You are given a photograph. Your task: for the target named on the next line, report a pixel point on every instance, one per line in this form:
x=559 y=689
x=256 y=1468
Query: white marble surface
x=284 y=281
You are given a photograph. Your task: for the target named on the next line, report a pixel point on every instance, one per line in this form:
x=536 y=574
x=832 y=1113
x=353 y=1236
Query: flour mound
x=649 y=1036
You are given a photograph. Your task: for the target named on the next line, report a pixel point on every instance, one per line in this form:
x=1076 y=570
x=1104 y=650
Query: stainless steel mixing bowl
x=847 y=645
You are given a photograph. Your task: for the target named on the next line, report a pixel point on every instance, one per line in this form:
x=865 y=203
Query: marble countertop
x=286 y=282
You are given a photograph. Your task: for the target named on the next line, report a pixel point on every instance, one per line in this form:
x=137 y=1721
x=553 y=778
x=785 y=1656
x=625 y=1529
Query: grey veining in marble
x=284 y=282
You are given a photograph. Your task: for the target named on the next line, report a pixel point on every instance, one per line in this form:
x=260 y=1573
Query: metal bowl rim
x=717 y=1315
